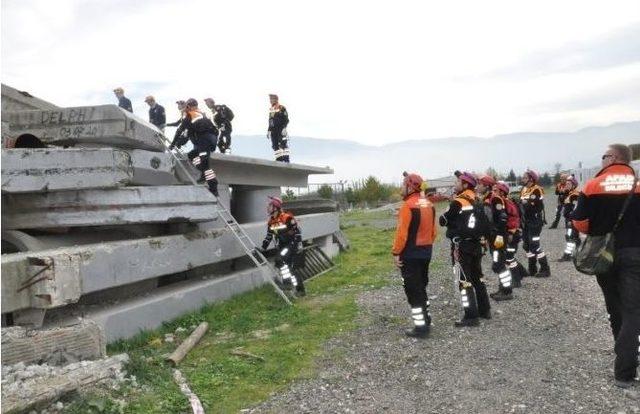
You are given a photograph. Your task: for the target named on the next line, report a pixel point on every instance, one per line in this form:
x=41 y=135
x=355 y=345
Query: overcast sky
x=369 y=71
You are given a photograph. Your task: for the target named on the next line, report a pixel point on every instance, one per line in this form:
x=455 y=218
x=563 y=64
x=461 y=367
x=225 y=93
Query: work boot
x=300 y=290
x=467 y=322
x=533 y=267
x=416 y=332
x=522 y=271
x=565 y=258
x=486 y=315
x=544 y=268
x=501 y=295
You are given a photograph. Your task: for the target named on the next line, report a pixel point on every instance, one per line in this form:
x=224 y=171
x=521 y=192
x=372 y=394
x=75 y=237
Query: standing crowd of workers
x=482 y=218
x=219 y=127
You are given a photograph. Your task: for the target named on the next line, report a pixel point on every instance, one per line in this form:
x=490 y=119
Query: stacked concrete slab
x=99 y=222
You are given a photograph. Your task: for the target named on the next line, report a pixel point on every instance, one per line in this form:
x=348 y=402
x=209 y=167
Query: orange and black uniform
x=596 y=212
x=562 y=195
x=204 y=136
x=532 y=208
x=413 y=242
x=278 y=121
x=499 y=254
x=572 y=236
x=284 y=229
x=467 y=251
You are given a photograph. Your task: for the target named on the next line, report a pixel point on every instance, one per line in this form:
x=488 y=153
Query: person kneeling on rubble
x=288 y=241
x=204 y=137
x=412 y=248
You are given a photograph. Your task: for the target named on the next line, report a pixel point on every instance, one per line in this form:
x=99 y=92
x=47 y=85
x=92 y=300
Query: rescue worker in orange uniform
x=513 y=233
x=499 y=242
x=466 y=250
x=283 y=228
x=277 y=132
x=412 y=249
x=561 y=192
x=532 y=207
x=204 y=136
x=572 y=236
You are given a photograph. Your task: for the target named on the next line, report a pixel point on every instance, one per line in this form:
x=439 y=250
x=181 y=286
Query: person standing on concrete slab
x=222 y=117
x=123 y=101
x=157 y=114
x=412 y=248
x=278 y=121
x=597 y=211
x=203 y=135
x=283 y=227
x=465 y=230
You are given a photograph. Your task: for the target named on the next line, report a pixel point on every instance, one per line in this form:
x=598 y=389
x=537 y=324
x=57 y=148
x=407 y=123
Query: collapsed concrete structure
x=99 y=223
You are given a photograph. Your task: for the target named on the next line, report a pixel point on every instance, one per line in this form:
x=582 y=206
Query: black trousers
x=470 y=259
x=287 y=261
x=280 y=146
x=531 y=240
x=199 y=157
x=621 y=289
x=224 y=140
x=499 y=267
x=415 y=275
x=559 y=208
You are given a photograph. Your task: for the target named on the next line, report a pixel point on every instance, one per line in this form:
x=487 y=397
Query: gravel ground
x=547 y=351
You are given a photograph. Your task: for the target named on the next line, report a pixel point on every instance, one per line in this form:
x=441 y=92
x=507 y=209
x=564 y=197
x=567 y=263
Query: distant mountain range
x=439 y=157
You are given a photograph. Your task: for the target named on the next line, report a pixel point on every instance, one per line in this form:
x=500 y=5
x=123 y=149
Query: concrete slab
x=94 y=267
x=80 y=341
x=105 y=125
x=236 y=170
x=128 y=318
x=15 y=100
x=26 y=170
x=126 y=205
x=249 y=203
x=152 y=168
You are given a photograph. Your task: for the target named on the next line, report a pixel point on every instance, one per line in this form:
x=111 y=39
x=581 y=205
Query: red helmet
x=413 y=181
x=487 y=180
x=275 y=203
x=468 y=178
x=533 y=175
x=502 y=186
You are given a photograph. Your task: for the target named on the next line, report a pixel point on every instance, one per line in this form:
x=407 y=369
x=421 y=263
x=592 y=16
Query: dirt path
x=547 y=351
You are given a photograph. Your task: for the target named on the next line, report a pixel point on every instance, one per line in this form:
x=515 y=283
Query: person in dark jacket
x=123 y=101
x=222 y=116
x=278 y=121
x=157 y=115
x=203 y=135
x=412 y=248
x=596 y=212
x=466 y=250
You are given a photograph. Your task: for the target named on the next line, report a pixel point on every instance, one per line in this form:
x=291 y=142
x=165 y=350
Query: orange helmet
x=413 y=181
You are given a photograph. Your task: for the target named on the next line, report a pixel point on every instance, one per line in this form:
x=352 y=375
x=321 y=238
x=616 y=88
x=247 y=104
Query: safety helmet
x=468 y=178
x=502 y=186
x=571 y=179
x=191 y=102
x=532 y=175
x=487 y=180
x=275 y=203
x=413 y=181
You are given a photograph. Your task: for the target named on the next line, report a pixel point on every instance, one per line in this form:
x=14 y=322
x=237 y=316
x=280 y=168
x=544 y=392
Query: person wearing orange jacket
x=412 y=249
x=572 y=236
x=561 y=192
x=598 y=209
x=283 y=228
x=532 y=205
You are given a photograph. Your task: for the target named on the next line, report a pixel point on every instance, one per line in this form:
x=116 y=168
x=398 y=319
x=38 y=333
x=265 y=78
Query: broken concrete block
x=127 y=205
x=73 y=343
x=101 y=126
x=15 y=100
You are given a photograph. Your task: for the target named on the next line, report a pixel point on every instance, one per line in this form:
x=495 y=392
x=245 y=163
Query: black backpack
x=478 y=225
x=226 y=113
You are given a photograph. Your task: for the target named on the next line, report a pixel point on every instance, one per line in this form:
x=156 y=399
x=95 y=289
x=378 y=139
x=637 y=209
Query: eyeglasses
x=605 y=156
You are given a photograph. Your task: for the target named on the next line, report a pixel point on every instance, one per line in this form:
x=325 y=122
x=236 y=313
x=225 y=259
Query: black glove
x=264 y=246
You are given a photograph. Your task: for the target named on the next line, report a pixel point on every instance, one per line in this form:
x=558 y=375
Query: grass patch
x=290 y=339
